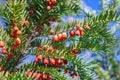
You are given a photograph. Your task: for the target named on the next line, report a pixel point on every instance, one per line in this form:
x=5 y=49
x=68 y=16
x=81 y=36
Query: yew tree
x=36 y=27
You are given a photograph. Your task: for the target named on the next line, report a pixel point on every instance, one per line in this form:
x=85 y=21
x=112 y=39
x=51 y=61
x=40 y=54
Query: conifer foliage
x=31 y=30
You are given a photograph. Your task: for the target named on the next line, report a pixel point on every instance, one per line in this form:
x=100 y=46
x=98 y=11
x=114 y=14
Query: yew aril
x=1 y=43
x=26 y=23
x=0 y=68
x=55 y=38
x=81 y=33
x=52 y=61
x=53 y=2
x=31 y=12
x=44 y=76
x=52 y=32
x=40 y=57
x=4 y=50
x=29 y=74
x=9 y=55
x=37 y=60
x=18 y=32
x=48 y=7
x=77 y=33
x=72 y=33
x=60 y=37
x=15 y=28
x=64 y=35
x=38 y=75
x=46 y=60
x=87 y=27
x=18 y=41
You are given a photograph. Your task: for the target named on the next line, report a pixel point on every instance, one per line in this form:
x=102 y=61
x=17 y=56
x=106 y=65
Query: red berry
x=79 y=27
x=13 y=35
x=48 y=7
x=18 y=41
x=18 y=32
x=15 y=28
x=37 y=60
x=0 y=68
x=34 y=75
x=31 y=12
x=37 y=76
x=53 y=2
x=64 y=35
x=65 y=61
x=60 y=37
x=1 y=43
x=29 y=74
x=26 y=23
x=4 y=50
x=65 y=71
x=77 y=33
x=14 y=46
x=10 y=55
x=72 y=33
x=40 y=57
x=44 y=76
x=55 y=38
x=81 y=33
x=52 y=61
x=52 y=32
x=46 y=61
x=87 y=27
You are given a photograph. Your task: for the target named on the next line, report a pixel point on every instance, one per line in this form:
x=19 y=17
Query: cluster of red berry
x=62 y=36
x=16 y=32
x=72 y=74
x=51 y=4
x=39 y=76
x=51 y=61
x=46 y=48
x=4 y=50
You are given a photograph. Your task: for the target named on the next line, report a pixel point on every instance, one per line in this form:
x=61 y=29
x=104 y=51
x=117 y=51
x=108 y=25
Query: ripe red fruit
x=81 y=33
x=14 y=46
x=37 y=76
x=37 y=60
x=15 y=28
x=53 y=2
x=29 y=74
x=10 y=55
x=13 y=35
x=18 y=41
x=78 y=27
x=52 y=32
x=4 y=50
x=40 y=57
x=72 y=33
x=18 y=32
x=46 y=61
x=65 y=71
x=44 y=76
x=1 y=43
x=52 y=61
x=48 y=7
x=64 y=35
x=87 y=27
x=77 y=33
x=31 y=12
x=34 y=75
x=60 y=37
x=65 y=61
x=26 y=23
x=0 y=68
x=55 y=38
